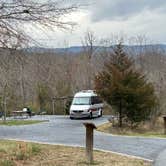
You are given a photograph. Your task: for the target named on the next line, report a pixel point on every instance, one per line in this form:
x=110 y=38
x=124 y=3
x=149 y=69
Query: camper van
x=86 y=104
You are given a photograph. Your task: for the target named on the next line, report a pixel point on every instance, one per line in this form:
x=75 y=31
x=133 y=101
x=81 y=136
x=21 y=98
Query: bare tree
x=14 y=13
x=89 y=48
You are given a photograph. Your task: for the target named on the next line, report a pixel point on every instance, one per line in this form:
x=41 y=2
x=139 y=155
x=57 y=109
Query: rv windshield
x=81 y=101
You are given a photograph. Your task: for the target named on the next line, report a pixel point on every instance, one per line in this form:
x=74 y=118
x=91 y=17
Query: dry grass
x=30 y=154
x=146 y=129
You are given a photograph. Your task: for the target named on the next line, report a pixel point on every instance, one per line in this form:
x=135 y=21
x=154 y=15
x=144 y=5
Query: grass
x=6 y=163
x=144 y=130
x=31 y=154
x=20 y=122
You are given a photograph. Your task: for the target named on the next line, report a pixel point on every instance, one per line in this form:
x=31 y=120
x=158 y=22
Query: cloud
x=123 y=9
x=107 y=17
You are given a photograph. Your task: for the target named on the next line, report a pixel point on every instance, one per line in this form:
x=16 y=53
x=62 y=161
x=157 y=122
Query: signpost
x=89 y=141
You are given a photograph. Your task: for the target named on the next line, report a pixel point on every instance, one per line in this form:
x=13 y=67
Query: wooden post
x=89 y=141
x=164 y=118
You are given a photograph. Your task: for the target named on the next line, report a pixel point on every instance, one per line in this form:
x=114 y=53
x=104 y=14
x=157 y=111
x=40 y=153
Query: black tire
x=91 y=116
x=71 y=118
x=101 y=113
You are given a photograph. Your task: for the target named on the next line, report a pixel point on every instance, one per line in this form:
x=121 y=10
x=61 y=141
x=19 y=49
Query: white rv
x=86 y=104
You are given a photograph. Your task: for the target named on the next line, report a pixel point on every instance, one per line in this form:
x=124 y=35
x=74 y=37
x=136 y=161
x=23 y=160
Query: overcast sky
x=107 y=17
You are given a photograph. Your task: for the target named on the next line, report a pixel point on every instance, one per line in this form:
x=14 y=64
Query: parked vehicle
x=86 y=104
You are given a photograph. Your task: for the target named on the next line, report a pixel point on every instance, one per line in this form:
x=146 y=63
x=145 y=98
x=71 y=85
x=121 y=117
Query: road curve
x=62 y=130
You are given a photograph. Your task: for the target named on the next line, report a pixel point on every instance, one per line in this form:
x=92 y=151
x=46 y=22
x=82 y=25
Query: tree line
x=33 y=79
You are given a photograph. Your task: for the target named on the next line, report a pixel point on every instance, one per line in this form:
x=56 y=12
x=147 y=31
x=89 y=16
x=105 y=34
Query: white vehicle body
x=86 y=104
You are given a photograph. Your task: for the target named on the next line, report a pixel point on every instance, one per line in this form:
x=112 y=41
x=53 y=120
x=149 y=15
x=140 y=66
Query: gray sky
x=112 y=17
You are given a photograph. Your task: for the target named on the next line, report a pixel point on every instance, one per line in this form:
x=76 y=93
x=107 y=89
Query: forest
x=34 y=78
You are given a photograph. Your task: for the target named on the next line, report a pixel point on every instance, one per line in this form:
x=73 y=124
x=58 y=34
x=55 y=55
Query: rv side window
x=95 y=100
x=99 y=100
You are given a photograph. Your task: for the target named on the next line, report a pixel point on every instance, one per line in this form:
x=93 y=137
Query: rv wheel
x=91 y=116
x=71 y=118
x=100 y=113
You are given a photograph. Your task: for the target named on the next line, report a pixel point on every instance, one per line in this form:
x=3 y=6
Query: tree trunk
x=22 y=84
x=4 y=103
x=120 y=114
x=4 y=120
x=89 y=74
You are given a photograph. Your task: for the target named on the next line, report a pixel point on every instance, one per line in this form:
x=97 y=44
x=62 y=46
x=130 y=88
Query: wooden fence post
x=89 y=141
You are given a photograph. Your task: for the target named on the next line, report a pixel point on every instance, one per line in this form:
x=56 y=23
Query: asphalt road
x=62 y=130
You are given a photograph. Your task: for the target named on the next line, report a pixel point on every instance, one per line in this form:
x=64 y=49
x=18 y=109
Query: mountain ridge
x=78 y=49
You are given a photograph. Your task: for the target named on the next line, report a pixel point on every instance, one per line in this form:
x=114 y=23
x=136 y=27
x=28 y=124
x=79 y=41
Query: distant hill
x=78 y=49
x=74 y=49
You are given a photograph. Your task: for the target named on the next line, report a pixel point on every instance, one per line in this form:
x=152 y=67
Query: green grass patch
x=35 y=149
x=7 y=163
x=21 y=122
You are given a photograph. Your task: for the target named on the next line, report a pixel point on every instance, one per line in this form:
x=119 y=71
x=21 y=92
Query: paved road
x=62 y=130
x=161 y=159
